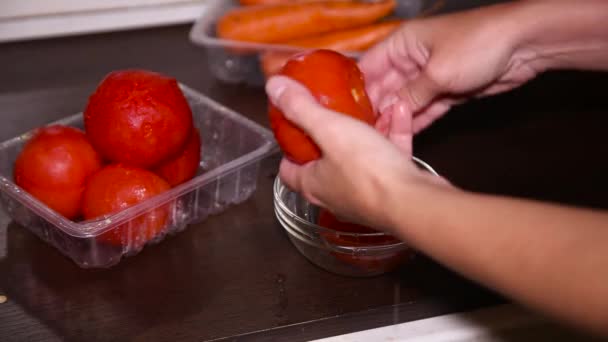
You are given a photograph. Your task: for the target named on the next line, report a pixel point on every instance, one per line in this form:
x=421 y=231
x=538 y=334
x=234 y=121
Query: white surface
x=501 y=323
x=24 y=21
x=21 y=8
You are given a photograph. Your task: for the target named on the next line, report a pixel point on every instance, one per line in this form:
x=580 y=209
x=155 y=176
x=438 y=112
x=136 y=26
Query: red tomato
x=369 y=263
x=336 y=82
x=138 y=117
x=54 y=167
x=117 y=187
x=184 y=165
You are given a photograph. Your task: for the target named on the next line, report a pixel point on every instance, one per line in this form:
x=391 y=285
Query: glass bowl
x=348 y=253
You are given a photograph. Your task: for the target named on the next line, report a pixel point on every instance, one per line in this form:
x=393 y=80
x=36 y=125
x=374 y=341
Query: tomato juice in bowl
x=338 y=247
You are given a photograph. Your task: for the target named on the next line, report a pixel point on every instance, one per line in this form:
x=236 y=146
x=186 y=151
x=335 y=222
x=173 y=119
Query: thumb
x=419 y=92
x=401 y=131
x=298 y=105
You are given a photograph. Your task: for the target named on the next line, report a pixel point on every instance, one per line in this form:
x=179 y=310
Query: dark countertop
x=237 y=274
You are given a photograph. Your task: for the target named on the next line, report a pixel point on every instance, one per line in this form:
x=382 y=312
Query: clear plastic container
x=244 y=66
x=232 y=147
x=345 y=253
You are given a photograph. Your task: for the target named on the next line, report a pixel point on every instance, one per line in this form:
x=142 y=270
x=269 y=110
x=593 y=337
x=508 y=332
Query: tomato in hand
x=381 y=262
x=138 y=117
x=184 y=165
x=336 y=83
x=117 y=187
x=54 y=167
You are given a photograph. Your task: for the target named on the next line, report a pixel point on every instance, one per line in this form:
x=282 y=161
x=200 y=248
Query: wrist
x=560 y=34
x=416 y=204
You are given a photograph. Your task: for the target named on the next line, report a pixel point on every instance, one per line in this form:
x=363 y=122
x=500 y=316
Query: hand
x=359 y=172
x=430 y=64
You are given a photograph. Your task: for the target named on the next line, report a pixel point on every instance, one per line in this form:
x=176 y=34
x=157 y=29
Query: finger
x=401 y=132
x=497 y=88
x=375 y=61
x=391 y=78
x=390 y=81
x=408 y=67
x=294 y=175
x=430 y=115
x=389 y=86
x=394 y=81
x=299 y=106
x=419 y=92
x=290 y=174
x=387 y=101
x=383 y=124
x=374 y=92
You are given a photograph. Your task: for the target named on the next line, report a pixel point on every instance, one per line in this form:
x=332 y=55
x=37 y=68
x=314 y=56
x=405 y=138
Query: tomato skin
x=183 y=166
x=54 y=166
x=138 y=117
x=66 y=202
x=336 y=83
x=296 y=145
x=368 y=263
x=328 y=220
x=117 y=187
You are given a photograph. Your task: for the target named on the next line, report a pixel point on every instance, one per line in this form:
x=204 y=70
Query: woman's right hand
x=430 y=64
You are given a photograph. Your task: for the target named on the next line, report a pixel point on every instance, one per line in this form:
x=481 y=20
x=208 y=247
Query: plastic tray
x=242 y=67
x=232 y=147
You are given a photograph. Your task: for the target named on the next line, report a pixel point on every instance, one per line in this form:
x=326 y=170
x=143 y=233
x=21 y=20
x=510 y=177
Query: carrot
x=272 y=2
x=355 y=39
x=271 y=62
x=350 y=40
x=284 y=22
x=262 y=2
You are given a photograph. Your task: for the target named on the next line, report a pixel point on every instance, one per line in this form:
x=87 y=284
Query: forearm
x=550 y=257
x=563 y=34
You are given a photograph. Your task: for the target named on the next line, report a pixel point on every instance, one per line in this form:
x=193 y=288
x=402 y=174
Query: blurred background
x=27 y=19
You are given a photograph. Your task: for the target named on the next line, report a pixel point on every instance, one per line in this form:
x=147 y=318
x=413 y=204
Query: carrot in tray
x=284 y=22
x=354 y=39
x=273 y=2
x=350 y=40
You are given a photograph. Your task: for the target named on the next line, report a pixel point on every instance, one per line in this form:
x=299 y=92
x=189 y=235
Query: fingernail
x=399 y=108
x=372 y=92
x=387 y=102
x=275 y=88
